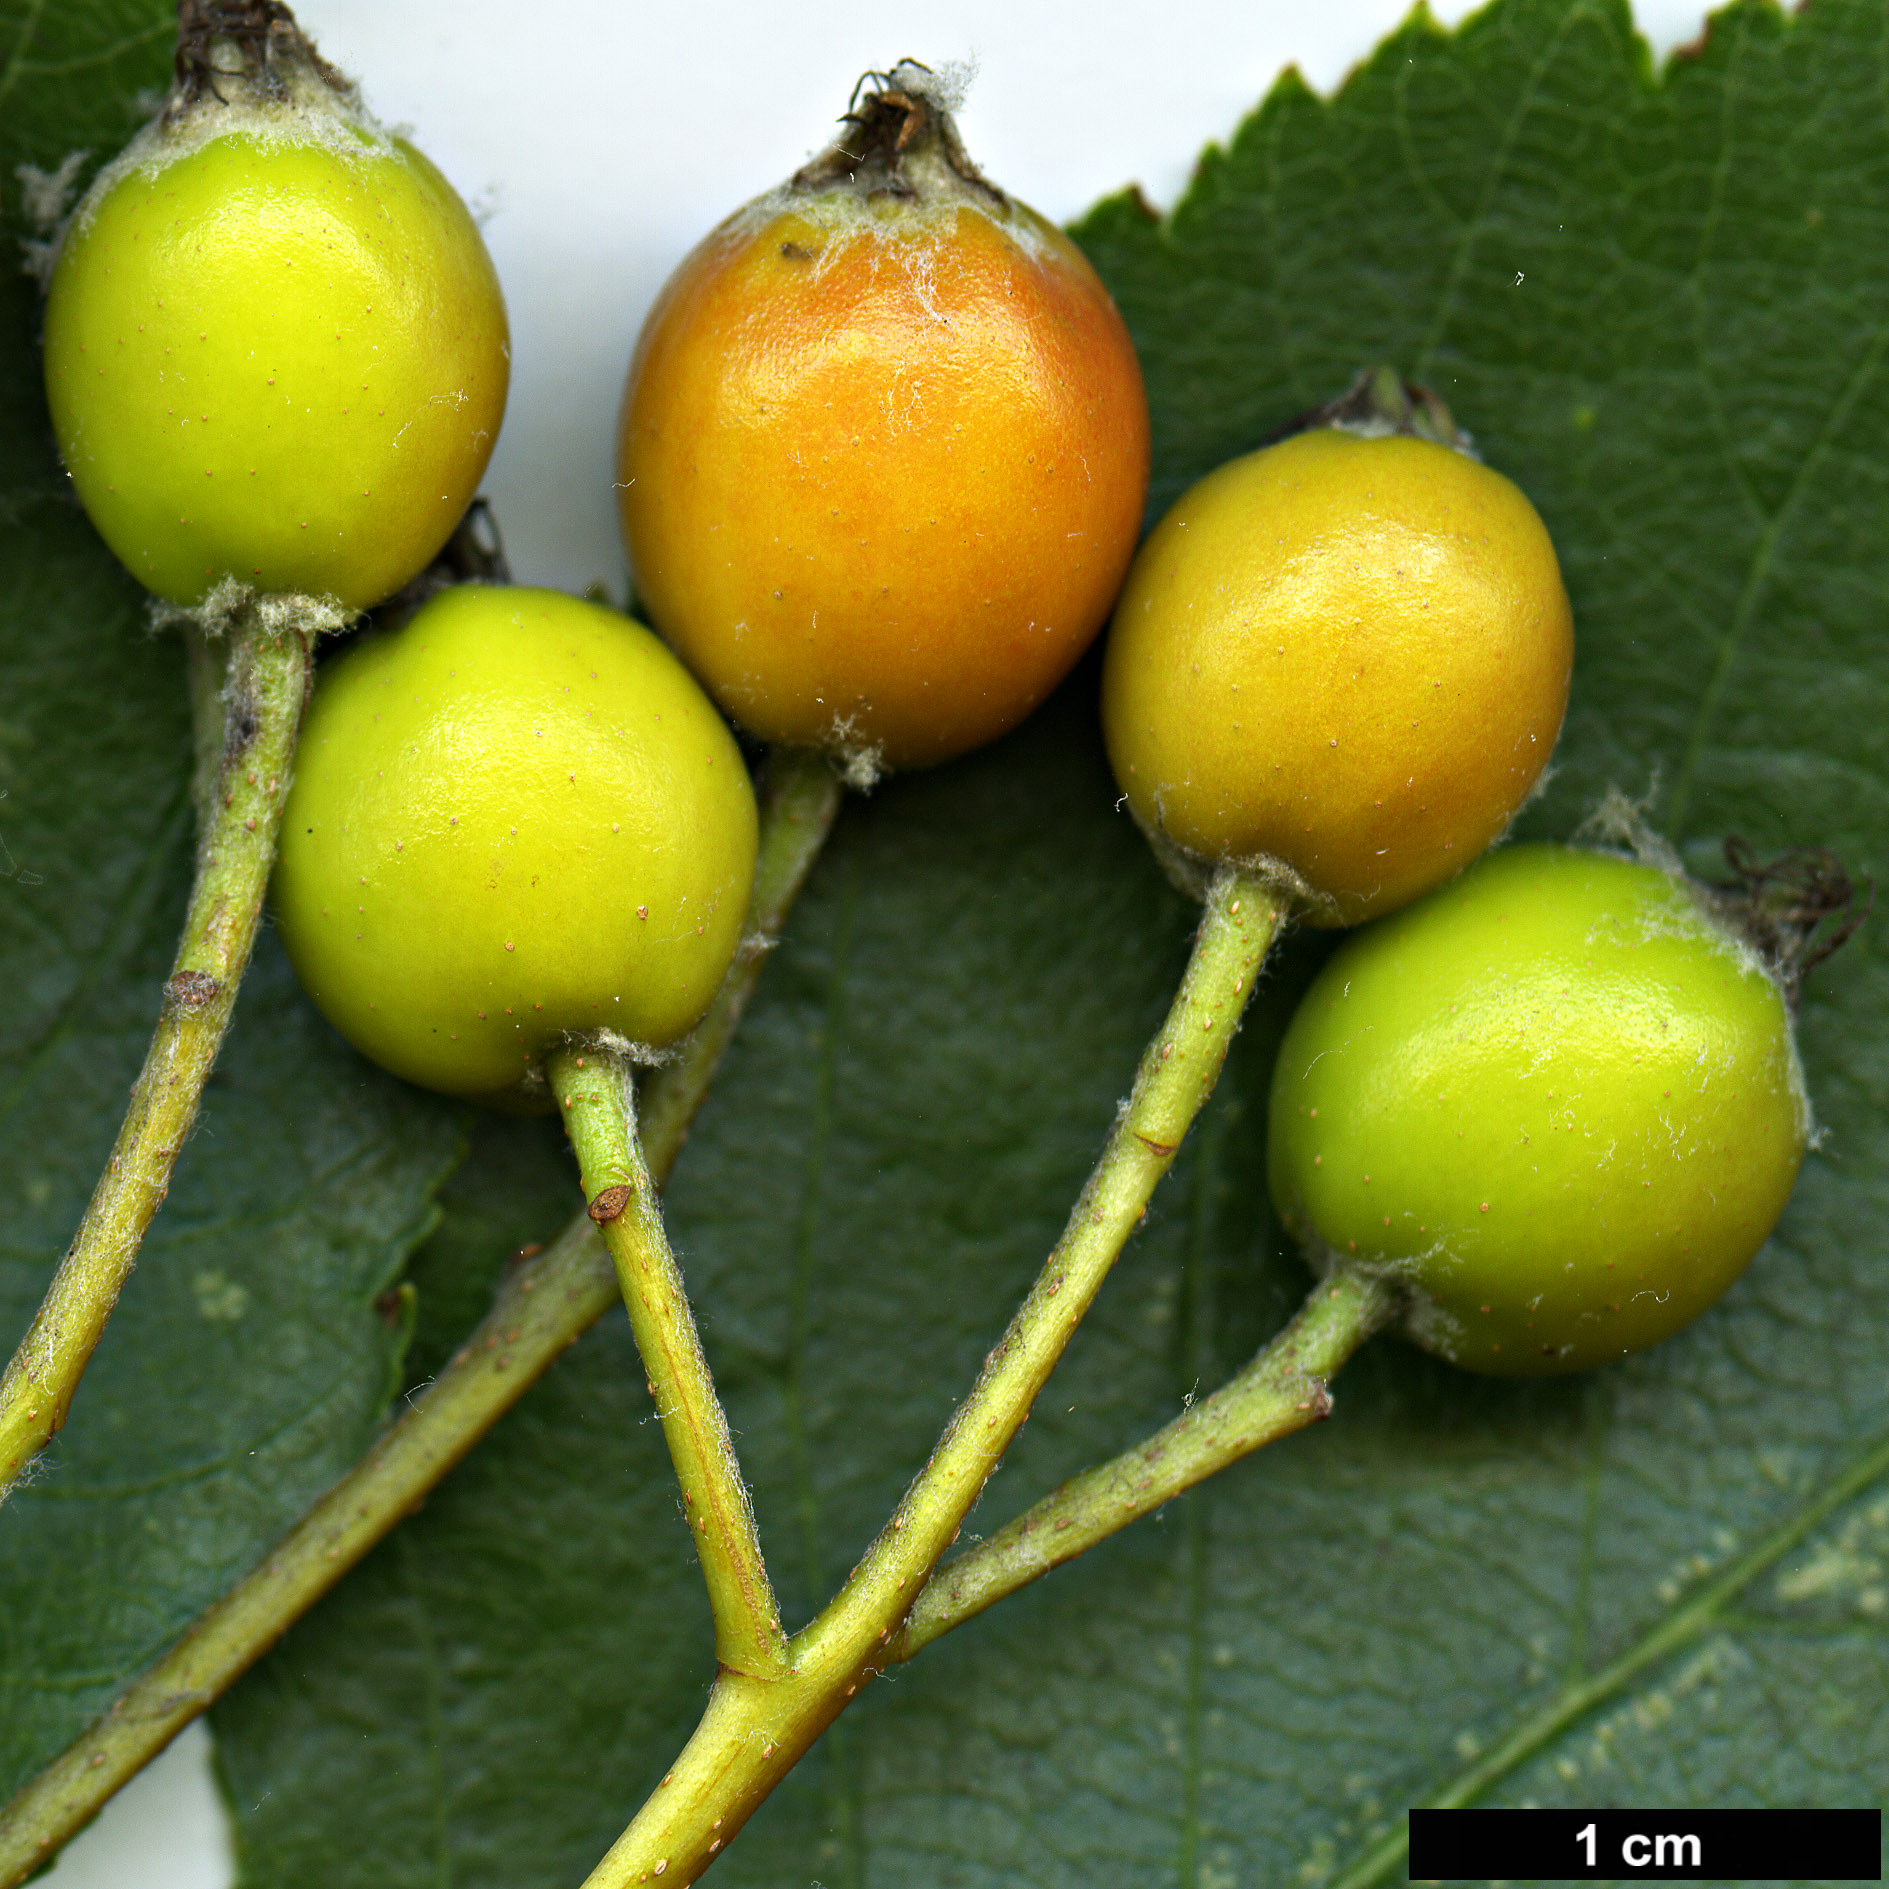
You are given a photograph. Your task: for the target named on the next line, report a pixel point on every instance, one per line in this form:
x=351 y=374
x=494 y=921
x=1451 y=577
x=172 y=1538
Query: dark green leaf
x=247 y=1363
x=1662 y=309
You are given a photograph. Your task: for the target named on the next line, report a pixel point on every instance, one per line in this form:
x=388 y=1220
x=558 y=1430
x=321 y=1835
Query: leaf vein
x=1758 y=571
x=1689 y=1621
x=1495 y=172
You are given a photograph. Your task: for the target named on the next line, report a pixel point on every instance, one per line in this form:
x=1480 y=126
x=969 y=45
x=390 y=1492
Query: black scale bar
x=1646 y=1845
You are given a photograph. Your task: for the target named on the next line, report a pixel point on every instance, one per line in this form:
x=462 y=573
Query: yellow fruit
x=1347 y=654
x=275 y=350
x=513 y=819
x=884 y=452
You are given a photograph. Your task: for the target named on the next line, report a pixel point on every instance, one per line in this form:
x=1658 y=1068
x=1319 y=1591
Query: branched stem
x=538 y=1313
x=263 y=692
x=754 y=1732
x=595 y=1092
x=1284 y=1389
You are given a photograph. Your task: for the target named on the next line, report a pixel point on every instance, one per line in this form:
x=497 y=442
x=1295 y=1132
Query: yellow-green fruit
x=1348 y=654
x=276 y=351
x=513 y=819
x=1554 y=1098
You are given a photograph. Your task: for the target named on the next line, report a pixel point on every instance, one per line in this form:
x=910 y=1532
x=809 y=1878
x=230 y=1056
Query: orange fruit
x=884 y=451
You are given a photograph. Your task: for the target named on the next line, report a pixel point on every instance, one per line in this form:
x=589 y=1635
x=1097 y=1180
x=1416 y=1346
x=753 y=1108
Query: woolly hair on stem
x=247 y=692
x=253 y=110
x=755 y=1731
x=593 y=1087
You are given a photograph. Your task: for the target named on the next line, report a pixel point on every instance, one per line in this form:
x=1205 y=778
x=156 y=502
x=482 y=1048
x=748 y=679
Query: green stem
x=754 y=1732
x=1284 y=1389
x=537 y=1314
x=595 y=1092
x=263 y=694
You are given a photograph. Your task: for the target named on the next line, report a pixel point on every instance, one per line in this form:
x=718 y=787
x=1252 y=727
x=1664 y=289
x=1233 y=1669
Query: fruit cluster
x=884 y=452
x=883 y=459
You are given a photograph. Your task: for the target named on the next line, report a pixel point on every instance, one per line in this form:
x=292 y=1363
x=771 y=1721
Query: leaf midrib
x=1758 y=573
x=19 y=65
x=16 y=60
x=1471 y=231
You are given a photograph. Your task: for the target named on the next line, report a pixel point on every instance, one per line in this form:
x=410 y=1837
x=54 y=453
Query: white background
x=599 y=141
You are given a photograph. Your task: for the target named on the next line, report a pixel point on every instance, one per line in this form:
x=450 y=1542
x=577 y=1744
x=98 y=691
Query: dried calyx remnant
x=1795 y=910
x=1380 y=403
x=1790 y=912
x=898 y=126
x=254 y=41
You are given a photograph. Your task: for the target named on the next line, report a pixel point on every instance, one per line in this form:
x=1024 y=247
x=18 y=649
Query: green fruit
x=514 y=819
x=1554 y=1097
x=275 y=350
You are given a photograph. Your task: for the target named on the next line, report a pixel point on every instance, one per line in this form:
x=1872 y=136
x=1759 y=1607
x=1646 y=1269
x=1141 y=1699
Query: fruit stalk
x=263 y=694
x=1285 y=1388
x=539 y=1312
x=753 y=1734
x=594 y=1089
